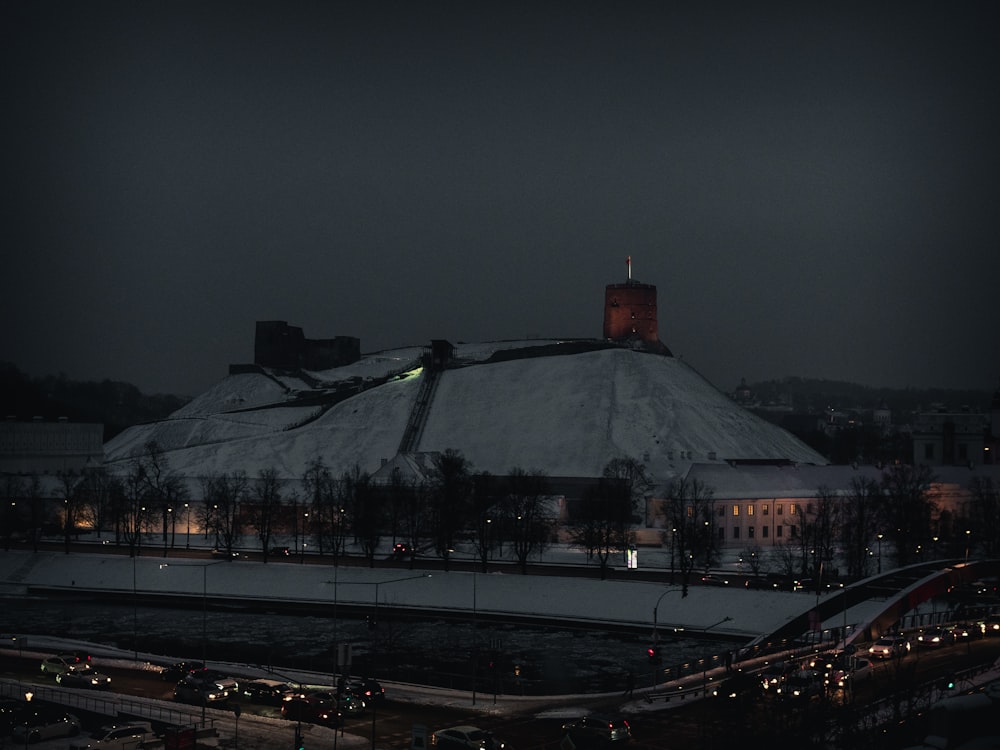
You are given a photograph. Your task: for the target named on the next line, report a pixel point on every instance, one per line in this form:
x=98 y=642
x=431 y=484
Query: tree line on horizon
x=503 y=518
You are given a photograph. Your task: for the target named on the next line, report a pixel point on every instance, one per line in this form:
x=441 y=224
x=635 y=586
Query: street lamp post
x=168 y=521
x=879 y=537
x=204 y=601
x=187 y=512
x=673 y=541
x=475 y=648
x=968 y=535
x=298 y=712
x=656 y=649
x=375 y=640
x=704 y=664
x=27 y=697
x=302 y=554
x=135 y=613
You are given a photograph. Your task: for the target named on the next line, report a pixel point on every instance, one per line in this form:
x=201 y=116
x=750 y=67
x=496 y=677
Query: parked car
x=221 y=554
x=739 y=687
x=401 y=551
x=966 y=631
x=84 y=678
x=714 y=580
x=214 y=676
x=313 y=708
x=935 y=638
x=598 y=731
x=992 y=625
x=889 y=647
x=269 y=692
x=347 y=701
x=465 y=737
x=206 y=686
x=802 y=684
x=279 y=552
x=368 y=690
x=846 y=671
x=180 y=670
x=38 y=724
x=775 y=675
x=131 y=736
x=63 y=663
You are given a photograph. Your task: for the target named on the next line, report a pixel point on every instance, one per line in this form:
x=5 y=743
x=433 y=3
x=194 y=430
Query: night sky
x=811 y=187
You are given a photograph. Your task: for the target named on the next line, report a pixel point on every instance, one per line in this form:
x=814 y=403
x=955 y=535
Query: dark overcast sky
x=811 y=187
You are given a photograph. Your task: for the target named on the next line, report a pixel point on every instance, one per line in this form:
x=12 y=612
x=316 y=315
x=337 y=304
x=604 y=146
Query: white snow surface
x=751 y=613
x=565 y=415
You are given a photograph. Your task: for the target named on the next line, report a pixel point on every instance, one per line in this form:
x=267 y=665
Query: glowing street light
x=704 y=663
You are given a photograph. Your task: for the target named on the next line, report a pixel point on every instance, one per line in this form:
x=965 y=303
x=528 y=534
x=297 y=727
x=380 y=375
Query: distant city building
x=948 y=438
x=761 y=506
x=280 y=346
x=40 y=447
x=882 y=416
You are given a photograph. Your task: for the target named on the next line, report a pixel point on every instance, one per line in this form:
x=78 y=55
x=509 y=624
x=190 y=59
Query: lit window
x=763 y=509
x=793 y=508
x=736 y=510
x=690 y=511
x=749 y=510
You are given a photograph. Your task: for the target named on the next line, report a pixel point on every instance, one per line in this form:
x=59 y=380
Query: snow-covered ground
x=565 y=415
x=749 y=613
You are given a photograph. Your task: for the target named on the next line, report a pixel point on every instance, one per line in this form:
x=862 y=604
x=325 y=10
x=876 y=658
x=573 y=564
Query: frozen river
x=441 y=652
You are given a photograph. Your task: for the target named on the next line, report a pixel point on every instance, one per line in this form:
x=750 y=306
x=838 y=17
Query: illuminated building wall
x=630 y=312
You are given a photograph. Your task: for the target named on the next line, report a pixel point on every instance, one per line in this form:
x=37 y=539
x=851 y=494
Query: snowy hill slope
x=565 y=415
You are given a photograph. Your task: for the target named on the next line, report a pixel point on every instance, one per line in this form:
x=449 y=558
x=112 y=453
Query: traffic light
x=948 y=683
x=300 y=744
x=653 y=653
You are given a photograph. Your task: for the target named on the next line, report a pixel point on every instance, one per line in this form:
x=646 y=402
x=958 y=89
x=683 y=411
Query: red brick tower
x=630 y=311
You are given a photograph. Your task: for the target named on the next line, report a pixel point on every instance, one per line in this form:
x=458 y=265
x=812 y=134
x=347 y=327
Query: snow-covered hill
x=566 y=415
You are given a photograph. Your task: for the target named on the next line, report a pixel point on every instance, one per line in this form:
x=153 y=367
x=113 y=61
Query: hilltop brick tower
x=630 y=311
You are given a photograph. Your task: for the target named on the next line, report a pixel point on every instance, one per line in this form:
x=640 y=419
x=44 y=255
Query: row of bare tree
x=502 y=517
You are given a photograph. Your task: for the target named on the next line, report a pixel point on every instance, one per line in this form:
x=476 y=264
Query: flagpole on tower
x=628 y=262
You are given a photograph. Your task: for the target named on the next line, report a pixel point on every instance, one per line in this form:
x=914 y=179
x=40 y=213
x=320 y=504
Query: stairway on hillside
x=418 y=414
